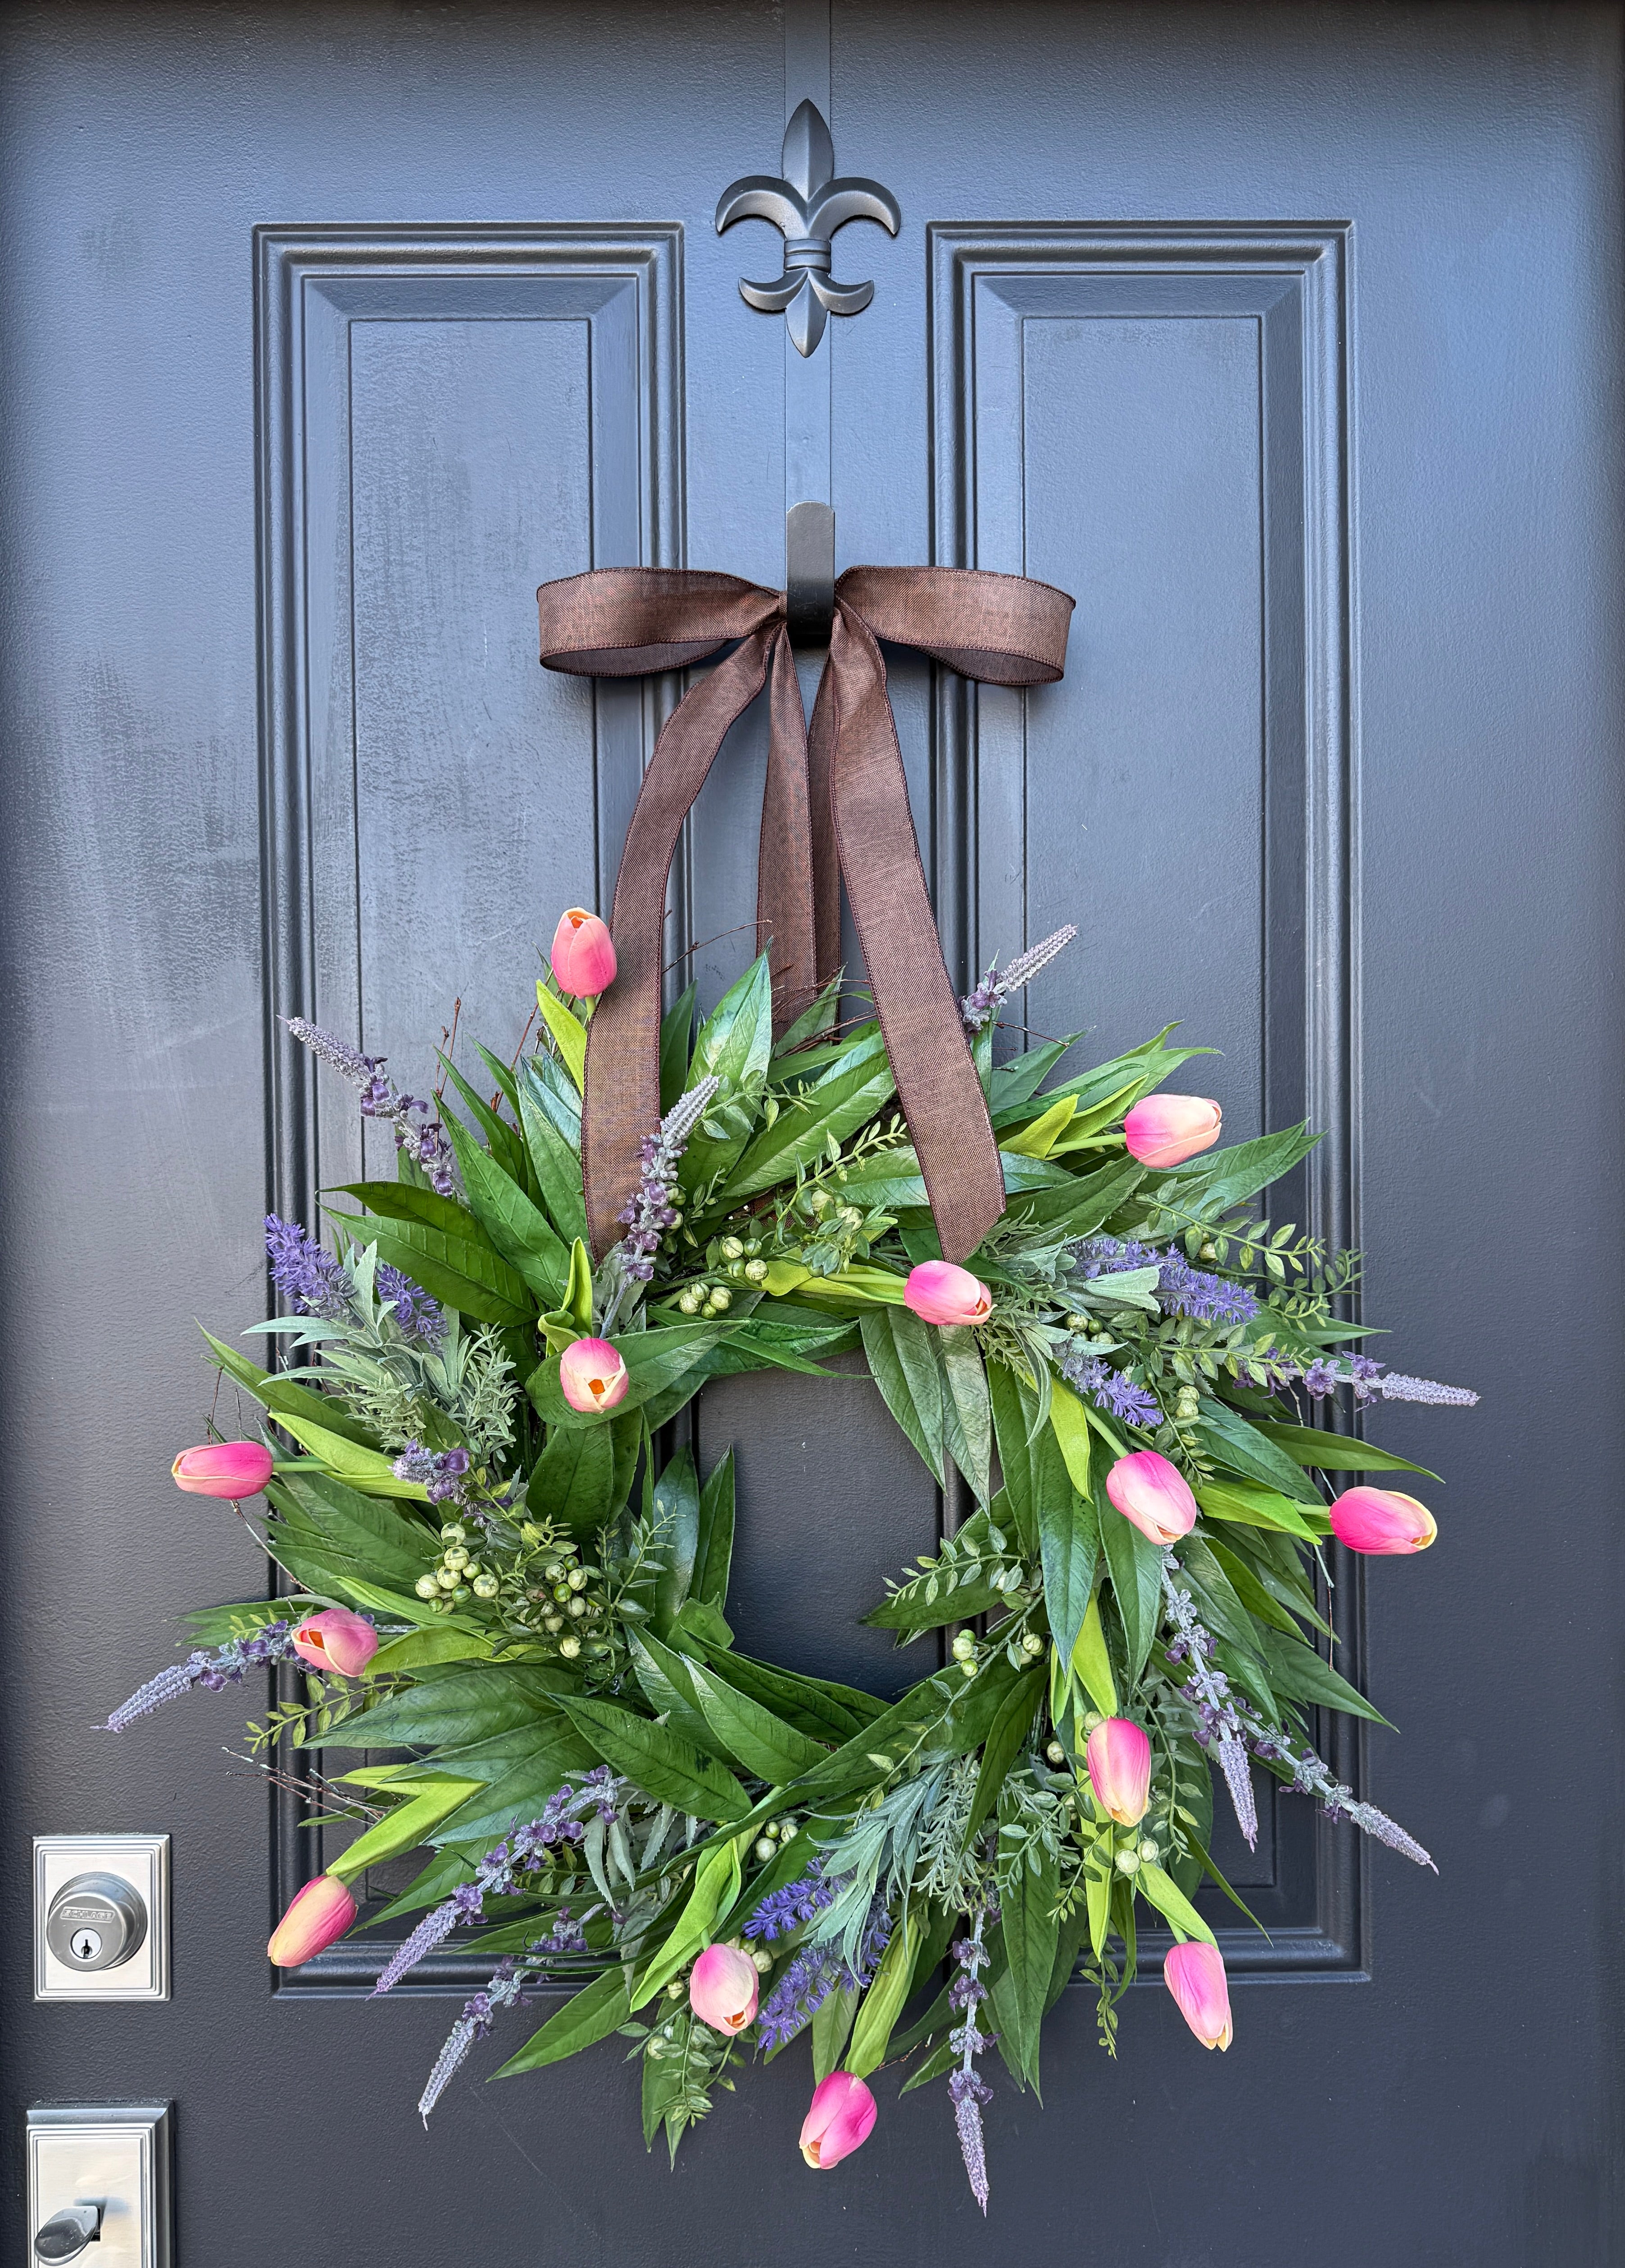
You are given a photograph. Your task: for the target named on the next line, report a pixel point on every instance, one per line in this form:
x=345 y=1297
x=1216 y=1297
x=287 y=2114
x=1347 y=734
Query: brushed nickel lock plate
x=106 y=2167
x=101 y=1918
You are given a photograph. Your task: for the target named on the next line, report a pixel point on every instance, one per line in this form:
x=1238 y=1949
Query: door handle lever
x=66 y=2233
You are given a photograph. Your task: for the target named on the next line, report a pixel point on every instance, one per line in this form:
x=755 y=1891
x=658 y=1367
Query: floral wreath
x=489 y=1575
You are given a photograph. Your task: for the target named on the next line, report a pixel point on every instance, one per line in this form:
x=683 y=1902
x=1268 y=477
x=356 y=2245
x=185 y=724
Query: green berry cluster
x=459 y=1576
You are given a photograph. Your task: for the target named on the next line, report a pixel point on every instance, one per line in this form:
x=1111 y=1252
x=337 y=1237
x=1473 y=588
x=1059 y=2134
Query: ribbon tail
x=826 y=867
x=937 y=1085
x=784 y=890
x=621 y=1103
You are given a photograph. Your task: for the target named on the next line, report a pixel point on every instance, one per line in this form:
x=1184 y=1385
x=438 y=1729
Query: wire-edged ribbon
x=835 y=807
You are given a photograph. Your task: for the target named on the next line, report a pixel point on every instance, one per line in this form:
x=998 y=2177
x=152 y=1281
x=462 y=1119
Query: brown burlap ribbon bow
x=836 y=806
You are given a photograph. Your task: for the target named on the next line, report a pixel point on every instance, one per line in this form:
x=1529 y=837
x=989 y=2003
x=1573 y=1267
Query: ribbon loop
x=835 y=805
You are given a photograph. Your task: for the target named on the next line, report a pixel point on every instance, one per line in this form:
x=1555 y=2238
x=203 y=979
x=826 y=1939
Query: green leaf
x=713 y=1546
x=1091 y=1662
x=1134 y=1564
x=573 y=1480
x=405 y=1828
x=505 y=1146
x=368 y=1470
x=698 y=1622
x=1030 y=1455
x=568 y=1032
x=1250 y=1590
x=1247 y=1506
x=1078 y=1208
x=467 y=1272
x=519 y=1233
x=1069 y=1543
x=1225 y=1178
x=677 y=1040
x=551 y=1754
x=831 y=2025
x=405 y=1201
x=677 y=1512
x=1005 y=1742
x=668 y=1689
x=1031 y=1928
x=967 y=1413
x=471 y=1704
x=595 y=2011
x=856 y=1085
x=361 y=1535
x=716 y=1885
x=1161 y=1891
x=814 y=1705
x=428 y=1649
x=1296 y=1671
x=1234 y=1441
x=660 y=1761
x=1070 y=1421
x=767 y=1747
x=883 y=2003
x=278 y=1395
x=904 y=1366
x=1335 y=1453
x=556 y=1164
x=735 y=1044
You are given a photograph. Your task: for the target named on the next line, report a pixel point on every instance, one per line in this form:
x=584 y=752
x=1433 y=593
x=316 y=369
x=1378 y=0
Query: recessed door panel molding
x=1156 y=419
x=448 y=418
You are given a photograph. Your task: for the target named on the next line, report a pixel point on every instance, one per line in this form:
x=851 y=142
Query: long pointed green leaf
x=597 y=2010
x=660 y=1761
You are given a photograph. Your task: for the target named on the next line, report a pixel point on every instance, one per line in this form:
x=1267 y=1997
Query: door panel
x=1287 y=340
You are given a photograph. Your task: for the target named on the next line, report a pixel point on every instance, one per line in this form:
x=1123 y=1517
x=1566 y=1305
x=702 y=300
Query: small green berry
x=1032 y=1644
x=576 y=1578
x=756 y=1271
x=485 y=1587
x=968 y=1668
x=788 y=1831
x=721 y=1299
x=688 y=1302
x=576 y=1607
x=1128 y=1862
x=731 y=1249
x=426 y=1588
x=447 y=1579
x=764 y=1849
x=965 y=1646
x=1149 y=1852
x=1054 y=1754
x=454 y=1532
x=570 y=1647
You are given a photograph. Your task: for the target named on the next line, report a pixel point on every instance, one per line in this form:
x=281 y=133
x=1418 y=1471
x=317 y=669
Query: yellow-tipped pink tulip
x=591 y=1375
x=939 y=1293
x=840 y=2120
x=722 y=1989
x=1120 y=1769
x=1165 y=1130
x=1153 y=1494
x=336 y=1639
x=1194 y=1974
x=583 y=954
x=320 y=1913
x=1381 y=1520
x=223 y=1469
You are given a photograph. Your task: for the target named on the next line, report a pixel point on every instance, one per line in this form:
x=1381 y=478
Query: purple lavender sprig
x=785 y=1909
x=502 y=1872
x=1311 y=1776
x=214 y=1670
x=504 y=1990
x=817 y=1971
x=1371 y=1383
x=978 y=1009
x=1181 y=1290
x=1219 y=1722
x=1109 y=1390
x=967 y=2088
x=438 y=1471
x=650 y=1211
x=381 y=1098
x=309 y=1275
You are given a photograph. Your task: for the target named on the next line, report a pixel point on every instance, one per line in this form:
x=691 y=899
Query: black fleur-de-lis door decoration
x=808 y=204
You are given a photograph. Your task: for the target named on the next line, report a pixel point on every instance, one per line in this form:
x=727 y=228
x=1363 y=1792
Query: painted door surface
x=1287 y=339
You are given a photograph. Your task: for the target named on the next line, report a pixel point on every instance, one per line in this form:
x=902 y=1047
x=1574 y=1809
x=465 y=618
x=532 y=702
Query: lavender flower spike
x=967 y=2090
x=1219 y=1721
x=998 y=983
x=227 y=1665
x=381 y=1099
x=651 y=1213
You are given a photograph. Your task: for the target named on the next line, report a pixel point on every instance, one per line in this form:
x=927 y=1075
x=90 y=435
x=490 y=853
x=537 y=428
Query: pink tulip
x=1165 y=1130
x=722 y=1989
x=1120 y=1769
x=336 y=1639
x=1194 y=1974
x=939 y=1293
x=839 y=2121
x=591 y=1375
x=1381 y=1520
x=1151 y=1493
x=583 y=954
x=223 y=1469
x=323 y=1911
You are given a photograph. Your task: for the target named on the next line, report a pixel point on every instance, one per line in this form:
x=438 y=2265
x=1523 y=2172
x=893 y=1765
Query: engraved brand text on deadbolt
x=96 y=1921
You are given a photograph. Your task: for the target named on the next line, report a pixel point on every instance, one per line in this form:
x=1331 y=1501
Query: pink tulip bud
x=321 y=1913
x=839 y=2121
x=583 y=954
x=722 y=1989
x=223 y=1469
x=591 y=1375
x=1120 y=1769
x=1151 y=1493
x=336 y=1639
x=939 y=1293
x=1165 y=1130
x=1381 y=1520
x=1194 y=1974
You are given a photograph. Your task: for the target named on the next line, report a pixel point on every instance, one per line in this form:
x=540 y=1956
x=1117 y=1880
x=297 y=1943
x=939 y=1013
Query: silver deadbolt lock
x=96 y=1921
